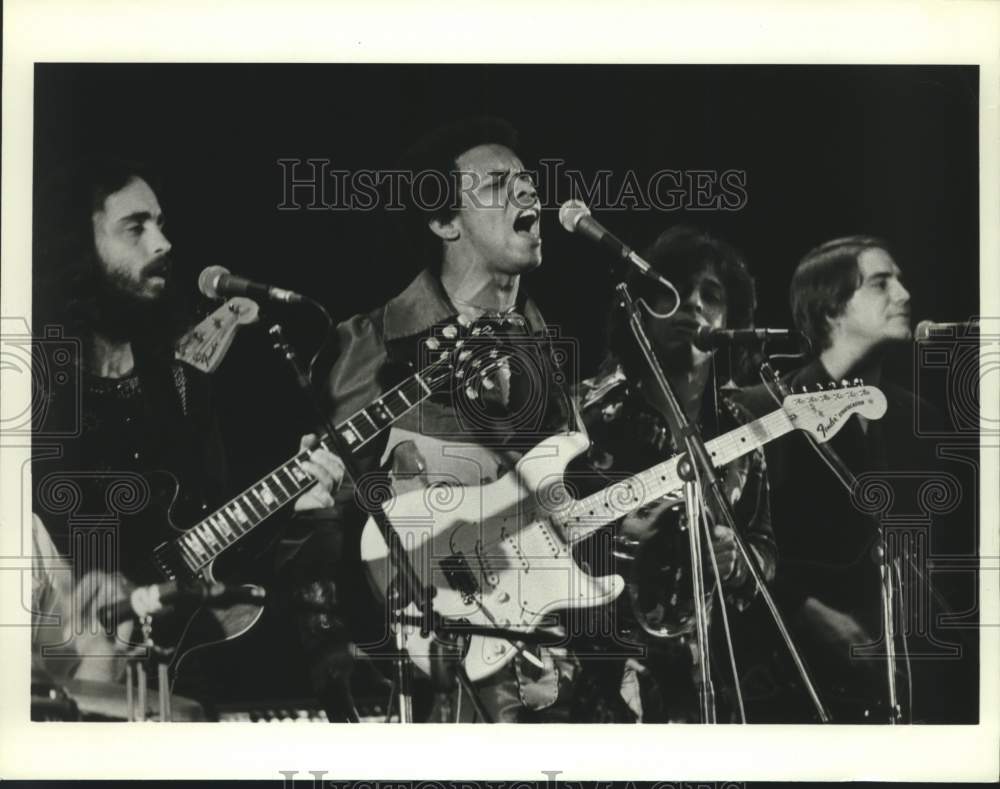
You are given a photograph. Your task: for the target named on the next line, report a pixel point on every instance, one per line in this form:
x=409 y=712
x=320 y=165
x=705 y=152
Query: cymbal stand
x=136 y=683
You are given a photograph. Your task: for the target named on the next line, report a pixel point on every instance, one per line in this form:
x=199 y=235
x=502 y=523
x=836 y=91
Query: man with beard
x=103 y=277
x=481 y=237
x=624 y=412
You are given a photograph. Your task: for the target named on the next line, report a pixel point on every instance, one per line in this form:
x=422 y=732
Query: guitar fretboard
x=615 y=501
x=367 y=423
x=201 y=544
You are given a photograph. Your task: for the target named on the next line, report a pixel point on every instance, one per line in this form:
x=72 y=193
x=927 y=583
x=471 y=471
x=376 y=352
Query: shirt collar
x=424 y=303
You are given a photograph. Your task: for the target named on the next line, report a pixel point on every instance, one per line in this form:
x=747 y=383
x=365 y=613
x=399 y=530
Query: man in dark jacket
x=485 y=234
x=104 y=283
x=624 y=411
x=849 y=300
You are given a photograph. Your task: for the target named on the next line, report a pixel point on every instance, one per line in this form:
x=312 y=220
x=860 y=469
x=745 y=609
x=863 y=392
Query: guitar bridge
x=170 y=562
x=460 y=577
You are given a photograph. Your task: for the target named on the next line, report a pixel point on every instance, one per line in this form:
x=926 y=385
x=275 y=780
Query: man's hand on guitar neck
x=327 y=468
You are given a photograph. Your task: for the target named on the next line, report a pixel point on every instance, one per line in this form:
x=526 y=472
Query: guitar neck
x=608 y=505
x=367 y=423
x=204 y=542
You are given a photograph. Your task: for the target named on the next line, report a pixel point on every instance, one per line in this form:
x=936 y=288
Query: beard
x=122 y=314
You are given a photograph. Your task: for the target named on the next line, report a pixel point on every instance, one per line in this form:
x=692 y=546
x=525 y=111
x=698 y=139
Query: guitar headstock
x=466 y=352
x=826 y=409
x=205 y=345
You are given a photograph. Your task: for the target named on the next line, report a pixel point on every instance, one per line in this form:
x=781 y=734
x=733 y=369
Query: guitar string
x=733 y=442
x=730 y=446
x=758 y=432
x=431 y=381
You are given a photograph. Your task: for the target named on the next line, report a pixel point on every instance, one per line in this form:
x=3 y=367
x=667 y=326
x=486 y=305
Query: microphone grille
x=923 y=330
x=208 y=281
x=704 y=339
x=571 y=212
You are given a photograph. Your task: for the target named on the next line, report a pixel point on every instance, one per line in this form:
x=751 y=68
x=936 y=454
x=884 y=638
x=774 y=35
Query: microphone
x=158 y=598
x=216 y=282
x=707 y=339
x=929 y=330
x=575 y=217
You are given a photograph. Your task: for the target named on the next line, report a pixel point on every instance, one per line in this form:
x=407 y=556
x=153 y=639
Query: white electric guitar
x=501 y=557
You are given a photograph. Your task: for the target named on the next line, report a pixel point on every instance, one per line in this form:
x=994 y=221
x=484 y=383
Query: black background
x=828 y=151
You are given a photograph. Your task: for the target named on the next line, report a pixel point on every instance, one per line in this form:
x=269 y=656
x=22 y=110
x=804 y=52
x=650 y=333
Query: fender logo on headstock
x=811 y=412
x=206 y=344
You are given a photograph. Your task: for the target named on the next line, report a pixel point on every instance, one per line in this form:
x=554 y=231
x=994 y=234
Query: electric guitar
x=190 y=556
x=502 y=556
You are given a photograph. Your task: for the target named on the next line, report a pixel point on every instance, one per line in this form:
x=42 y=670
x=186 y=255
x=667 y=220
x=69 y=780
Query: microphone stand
x=406 y=587
x=407 y=582
x=136 y=679
x=694 y=466
x=846 y=478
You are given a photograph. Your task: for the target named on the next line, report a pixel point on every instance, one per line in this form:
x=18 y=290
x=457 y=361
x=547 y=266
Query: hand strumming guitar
x=642 y=524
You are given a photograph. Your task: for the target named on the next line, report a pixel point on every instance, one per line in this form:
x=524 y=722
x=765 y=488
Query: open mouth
x=527 y=223
x=684 y=325
x=160 y=268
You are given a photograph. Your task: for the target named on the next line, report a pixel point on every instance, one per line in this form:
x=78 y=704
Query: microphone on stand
x=575 y=217
x=707 y=339
x=156 y=599
x=929 y=330
x=215 y=282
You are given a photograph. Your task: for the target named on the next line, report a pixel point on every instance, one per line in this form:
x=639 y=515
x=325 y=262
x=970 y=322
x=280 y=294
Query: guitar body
x=149 y=557
x=210 y=625
x=500 y=555
x=658 y=604
x=495 y=555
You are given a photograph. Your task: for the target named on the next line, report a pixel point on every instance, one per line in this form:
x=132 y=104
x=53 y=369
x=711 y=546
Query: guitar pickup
x=460 y=576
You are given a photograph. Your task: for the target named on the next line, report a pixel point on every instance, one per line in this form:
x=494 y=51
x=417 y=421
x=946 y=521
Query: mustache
x=160 y=267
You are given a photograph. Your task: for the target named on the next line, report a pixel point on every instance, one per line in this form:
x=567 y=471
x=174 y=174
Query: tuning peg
x=450 y=332
x=859 y=382
x=844 y=382
x=471 y=393
x=432 y=343
x=488 y=384
x=831 y=385
x=477 y=331
x=462 y=356
x=463 y=320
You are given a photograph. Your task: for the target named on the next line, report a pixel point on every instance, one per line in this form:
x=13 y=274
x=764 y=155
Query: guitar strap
x=177 y=423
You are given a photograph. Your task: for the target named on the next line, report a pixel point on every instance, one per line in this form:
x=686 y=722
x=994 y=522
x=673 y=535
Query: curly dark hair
x=824 y=282
x=679 y=254
x=437 y=152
